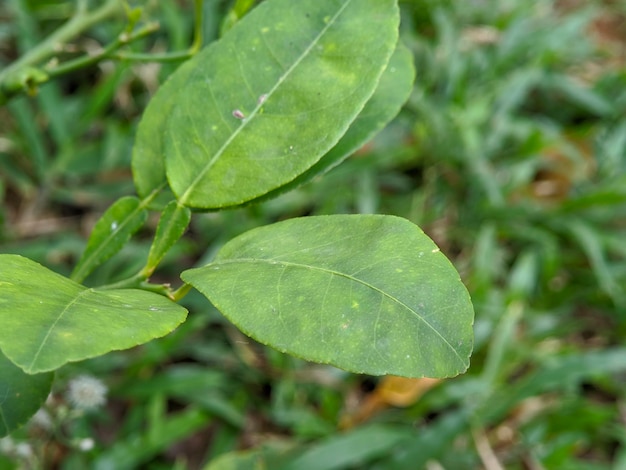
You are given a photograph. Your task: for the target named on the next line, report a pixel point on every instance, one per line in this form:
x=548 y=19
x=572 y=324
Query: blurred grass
x=511 y=154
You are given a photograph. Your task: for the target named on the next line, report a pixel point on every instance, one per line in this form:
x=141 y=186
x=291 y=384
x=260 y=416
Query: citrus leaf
x=110 y=234
x=49 y=320
x=22 y=395
x=271 y=97
x=172 y=224
x=370 y=294
x=393 y=90
x=148 y=162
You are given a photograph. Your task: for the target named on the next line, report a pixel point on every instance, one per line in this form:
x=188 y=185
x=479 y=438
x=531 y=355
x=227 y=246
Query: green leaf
x=393 y=90
x=172 y=225
x=48 y=320
x=558 y=373
x=353 y=449
x=138 y=448
x=148 y=161
x=22 y=395
x=272 y=454
x=110 y=234
x=274 y=95
x=369 y=294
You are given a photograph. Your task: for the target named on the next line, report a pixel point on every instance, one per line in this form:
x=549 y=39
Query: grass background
x=510 y=154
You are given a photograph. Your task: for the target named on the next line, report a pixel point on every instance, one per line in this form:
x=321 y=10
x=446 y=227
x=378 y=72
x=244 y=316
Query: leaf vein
x=187 y=194
x=53 y=326
x=357 y=280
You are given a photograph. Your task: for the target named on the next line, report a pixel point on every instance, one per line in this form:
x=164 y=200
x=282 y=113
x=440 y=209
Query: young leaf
x=271 y=97
x=172 y=225
x=48 y=320
x=369 y=294
x=110 y=234
x=22 y=395
x=393 y=90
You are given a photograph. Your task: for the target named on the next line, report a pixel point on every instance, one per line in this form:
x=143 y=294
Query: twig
x=81 y=21
x=26 y=73
x=486 y=453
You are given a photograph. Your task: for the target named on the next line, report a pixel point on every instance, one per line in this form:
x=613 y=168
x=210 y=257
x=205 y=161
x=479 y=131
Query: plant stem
x=172 y=56
x=181 y=292
x=107 y=52
x=81 y=21
x=26 y=72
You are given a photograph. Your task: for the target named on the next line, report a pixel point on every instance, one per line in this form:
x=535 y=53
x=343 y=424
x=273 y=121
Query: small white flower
x=7 y=446
x=42 y=419
x=24 y=450
x=86 y=444
x=86 y=392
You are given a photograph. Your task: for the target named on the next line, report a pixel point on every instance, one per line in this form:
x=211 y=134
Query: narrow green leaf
x=591 y=243
x=172 y=225
x=559 y=373
x=369 y=294
x=110 y=234
x=274 y=95
x=272 y=454
x=393 y=90
x=21 y=395
x=48 y=320
x=350 y=450
x=353 y=449
x=138 y=449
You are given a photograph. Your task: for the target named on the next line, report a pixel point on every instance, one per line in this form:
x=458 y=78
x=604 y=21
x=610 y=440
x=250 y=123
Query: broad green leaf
x=148 y=161
x=273 y=96
x=432 y=441
x=172 y=225
x=110 y=234
x=393 y=90
x=48 y=320
x=22 y=395
x=369 y=294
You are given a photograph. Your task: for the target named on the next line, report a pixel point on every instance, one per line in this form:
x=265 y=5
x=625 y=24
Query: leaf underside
x=21 y=395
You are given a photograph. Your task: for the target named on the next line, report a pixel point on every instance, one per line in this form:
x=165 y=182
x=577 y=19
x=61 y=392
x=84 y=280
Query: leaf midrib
x=188 y=193
x=273 y=262
x=53 y=326
x=82 y=270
